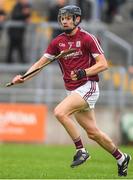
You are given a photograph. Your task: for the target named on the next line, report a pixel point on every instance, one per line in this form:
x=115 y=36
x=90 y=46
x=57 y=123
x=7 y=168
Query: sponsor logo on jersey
x=74 y=55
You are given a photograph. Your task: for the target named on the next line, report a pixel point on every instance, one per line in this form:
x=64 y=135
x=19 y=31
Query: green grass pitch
x=33 y=161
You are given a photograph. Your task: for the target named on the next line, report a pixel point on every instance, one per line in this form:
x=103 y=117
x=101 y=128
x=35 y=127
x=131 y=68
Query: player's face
x=67 y=22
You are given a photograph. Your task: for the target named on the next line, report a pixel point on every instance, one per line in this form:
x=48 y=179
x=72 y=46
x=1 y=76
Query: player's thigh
x=86 y=119
x=72 y=103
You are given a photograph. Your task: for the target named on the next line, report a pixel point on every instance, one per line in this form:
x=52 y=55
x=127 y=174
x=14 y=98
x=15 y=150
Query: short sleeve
x=94 y=46
x=52 y=50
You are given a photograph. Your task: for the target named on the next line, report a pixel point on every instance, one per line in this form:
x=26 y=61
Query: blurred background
x=26 y=28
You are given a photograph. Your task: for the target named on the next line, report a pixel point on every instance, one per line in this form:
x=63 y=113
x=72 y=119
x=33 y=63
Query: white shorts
x=89 y=92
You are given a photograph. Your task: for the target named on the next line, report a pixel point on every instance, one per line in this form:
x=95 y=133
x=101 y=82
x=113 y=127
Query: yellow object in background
x=7 y=5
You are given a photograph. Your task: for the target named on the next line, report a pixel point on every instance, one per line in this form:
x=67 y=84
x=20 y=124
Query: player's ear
x=77 y=20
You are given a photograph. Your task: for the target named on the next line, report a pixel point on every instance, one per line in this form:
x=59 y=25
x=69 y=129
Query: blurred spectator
x=101 y=4
x=20 y=14
x=2 y=19
x=86 y=8
x=112 y=10
x=131 y=13
x=53 y=13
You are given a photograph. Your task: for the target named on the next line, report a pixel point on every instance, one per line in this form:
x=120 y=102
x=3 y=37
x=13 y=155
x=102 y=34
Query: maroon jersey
x=87 y=48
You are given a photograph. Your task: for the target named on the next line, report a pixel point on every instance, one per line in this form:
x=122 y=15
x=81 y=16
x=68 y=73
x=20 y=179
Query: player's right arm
x=18 y=78
x=49 y=54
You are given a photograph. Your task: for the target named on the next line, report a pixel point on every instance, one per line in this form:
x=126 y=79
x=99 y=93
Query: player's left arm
x=101 y=65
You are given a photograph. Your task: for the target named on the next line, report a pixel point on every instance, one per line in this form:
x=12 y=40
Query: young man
x=80 y=73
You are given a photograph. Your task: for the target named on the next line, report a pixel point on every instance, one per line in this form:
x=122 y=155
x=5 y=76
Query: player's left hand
x=73 y=76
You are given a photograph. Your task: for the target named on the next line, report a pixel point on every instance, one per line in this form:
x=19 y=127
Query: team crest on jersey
x=78 y=44
x=62 y=45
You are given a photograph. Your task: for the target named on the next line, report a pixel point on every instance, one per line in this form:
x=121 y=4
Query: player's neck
x=73 y=32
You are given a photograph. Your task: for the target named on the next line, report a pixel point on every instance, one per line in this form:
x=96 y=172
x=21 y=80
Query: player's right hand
x=17 y=79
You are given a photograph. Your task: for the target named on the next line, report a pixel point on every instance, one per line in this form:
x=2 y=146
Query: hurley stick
x=62 y=54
